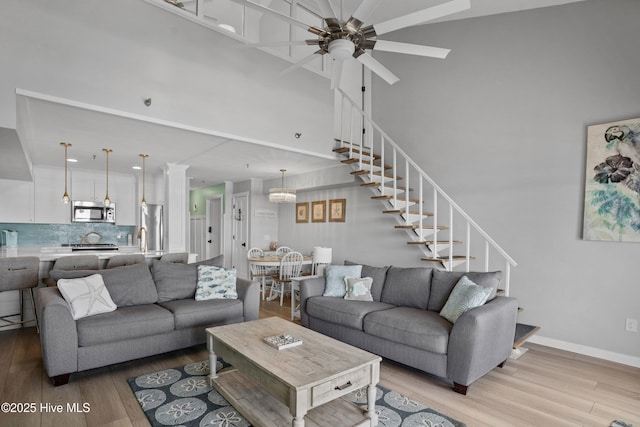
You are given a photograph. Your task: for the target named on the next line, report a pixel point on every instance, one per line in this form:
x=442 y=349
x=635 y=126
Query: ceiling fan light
x=341 y=49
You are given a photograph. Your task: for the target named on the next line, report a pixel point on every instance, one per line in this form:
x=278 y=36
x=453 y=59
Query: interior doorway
x=214 y=236
x=240 y=230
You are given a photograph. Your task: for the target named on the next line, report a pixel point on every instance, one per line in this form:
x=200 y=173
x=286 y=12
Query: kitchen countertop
x=53 y=253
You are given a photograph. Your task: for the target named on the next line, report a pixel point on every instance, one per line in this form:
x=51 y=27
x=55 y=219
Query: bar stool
x=124 y=259
x=77 y=262
x=19 y=274
x=179 y=257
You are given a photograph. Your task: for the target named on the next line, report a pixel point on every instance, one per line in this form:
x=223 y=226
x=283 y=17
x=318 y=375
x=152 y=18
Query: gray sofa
x=156 y=312
x=403 y=324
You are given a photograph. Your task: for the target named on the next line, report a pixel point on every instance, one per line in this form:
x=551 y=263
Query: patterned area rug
x=182 y=396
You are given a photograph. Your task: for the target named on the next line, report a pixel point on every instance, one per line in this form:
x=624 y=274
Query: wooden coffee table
x=308 y=379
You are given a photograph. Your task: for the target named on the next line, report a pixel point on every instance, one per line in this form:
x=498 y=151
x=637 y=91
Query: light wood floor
x=545 y=387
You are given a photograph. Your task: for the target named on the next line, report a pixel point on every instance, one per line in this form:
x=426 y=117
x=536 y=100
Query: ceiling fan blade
x=378 y=68
x=326 y=9
x=422 y=16
x=365 y=9
x=282 y=43
x=282 y=16
x=336 y=73
x=361 y=14
x=302 y=62
x=411 y=49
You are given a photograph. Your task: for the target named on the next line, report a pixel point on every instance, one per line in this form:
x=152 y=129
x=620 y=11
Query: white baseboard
x=625 y=359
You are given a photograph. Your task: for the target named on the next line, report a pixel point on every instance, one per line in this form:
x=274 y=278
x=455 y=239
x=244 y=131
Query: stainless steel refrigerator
x=151 y=219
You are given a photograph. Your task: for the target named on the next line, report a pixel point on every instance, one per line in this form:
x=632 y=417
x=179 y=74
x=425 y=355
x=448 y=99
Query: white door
x=213 y=235
x=240 y=234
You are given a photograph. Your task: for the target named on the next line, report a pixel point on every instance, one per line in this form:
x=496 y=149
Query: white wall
x=115 y=54
x=501 y=126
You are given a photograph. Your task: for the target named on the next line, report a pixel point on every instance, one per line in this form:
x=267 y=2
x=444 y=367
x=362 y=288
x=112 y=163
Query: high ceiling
x=212 y=157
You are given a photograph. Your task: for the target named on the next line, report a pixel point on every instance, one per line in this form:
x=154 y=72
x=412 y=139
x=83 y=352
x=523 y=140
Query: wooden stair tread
x=404 y=211
x=425 y=227
x=523 y=333
x=446 y=258
x=390 y=197
x=386 y=186
x=366 y=172
x=356 y=160
x=343 y=150
x=443 y=242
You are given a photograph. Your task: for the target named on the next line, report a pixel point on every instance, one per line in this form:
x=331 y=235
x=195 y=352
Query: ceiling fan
x=351 y=38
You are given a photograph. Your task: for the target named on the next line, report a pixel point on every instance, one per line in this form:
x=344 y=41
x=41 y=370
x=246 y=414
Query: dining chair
x=19 y=274
x=283 y=250
x=290 y=266
x=259 y=272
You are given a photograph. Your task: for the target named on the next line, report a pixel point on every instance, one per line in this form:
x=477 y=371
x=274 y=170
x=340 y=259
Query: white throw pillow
x=358 y=288
x=464 y=296
x=215 y=283
x=86 y=296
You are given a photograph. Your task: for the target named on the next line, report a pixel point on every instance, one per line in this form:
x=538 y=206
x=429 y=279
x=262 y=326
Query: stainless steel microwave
x=92 y=212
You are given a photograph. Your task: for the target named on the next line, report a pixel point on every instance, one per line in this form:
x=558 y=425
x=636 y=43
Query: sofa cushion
x=176 y=280
x=464 y=296
x=414 y=327
x=124 y=323
x=335 y=274
x=86 y=296
x=127 y=285
x=343 y=312
x=189 y=312
x=378 y=274
x=407 y=287
x=443 y=282
x=215 y=283
x=358 y=288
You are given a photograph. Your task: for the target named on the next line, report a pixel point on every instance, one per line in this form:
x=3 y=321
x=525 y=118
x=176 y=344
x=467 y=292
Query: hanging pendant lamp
x=143 y=202
x=107 y=201
x=282 y=194
x=65 y=197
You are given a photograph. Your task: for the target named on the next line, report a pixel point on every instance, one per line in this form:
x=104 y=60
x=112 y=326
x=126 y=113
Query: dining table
x=273 y=261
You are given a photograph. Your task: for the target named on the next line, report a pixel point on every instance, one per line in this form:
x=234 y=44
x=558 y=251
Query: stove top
x=91 y=246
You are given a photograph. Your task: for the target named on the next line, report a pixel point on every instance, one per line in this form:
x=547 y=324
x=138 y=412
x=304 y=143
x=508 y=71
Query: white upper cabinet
x=91 y=186
x=17 y=196
x=48 y=186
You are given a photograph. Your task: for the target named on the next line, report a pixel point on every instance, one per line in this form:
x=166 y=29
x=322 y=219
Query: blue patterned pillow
x=464 y=296
x=215 y=283
x=335 y=274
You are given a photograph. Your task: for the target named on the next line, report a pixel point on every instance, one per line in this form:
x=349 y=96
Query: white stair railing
x=413 y=174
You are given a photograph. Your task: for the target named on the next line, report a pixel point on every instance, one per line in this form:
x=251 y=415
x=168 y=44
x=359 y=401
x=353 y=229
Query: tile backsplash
x=59 y=234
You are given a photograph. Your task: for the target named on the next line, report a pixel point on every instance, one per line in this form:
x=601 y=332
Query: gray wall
x=501 y=126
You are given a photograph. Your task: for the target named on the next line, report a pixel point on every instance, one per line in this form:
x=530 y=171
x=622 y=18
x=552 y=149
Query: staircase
x=420 y=208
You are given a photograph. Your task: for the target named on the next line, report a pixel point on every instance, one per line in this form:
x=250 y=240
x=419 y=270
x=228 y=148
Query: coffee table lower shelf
x=261 y=409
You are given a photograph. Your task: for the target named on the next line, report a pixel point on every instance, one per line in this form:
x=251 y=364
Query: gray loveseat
x=403 y=324
x=156 y=312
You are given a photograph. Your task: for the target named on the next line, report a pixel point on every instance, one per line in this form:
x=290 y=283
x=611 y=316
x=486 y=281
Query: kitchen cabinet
x=91 y=186
x=17 y=205
x=48 y=188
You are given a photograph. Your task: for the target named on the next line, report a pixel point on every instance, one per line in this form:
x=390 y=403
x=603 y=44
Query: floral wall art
x=612 y=190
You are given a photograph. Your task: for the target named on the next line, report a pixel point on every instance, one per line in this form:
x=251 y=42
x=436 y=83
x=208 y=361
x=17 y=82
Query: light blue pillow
x=464 y=296
x=335 y=274
x=215 y=283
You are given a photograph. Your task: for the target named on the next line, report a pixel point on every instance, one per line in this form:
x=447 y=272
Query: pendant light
x=65 y=196
x=107 y=202
x=282 y=194
x=143 y=202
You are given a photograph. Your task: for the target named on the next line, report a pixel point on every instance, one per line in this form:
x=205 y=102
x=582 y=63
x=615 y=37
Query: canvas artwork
x=612 y=189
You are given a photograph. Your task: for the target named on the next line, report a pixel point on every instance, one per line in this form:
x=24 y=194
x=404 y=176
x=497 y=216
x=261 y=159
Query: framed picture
x=337 y=210
x=302 y=212
x=612 y=188
x=319 y=211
